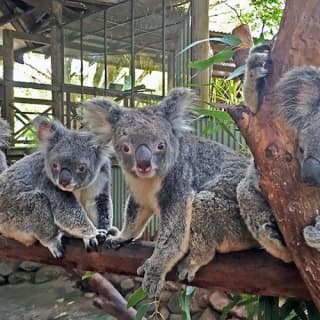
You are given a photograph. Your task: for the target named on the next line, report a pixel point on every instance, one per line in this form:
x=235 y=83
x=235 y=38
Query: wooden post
x=200 y=30
x=57 y=61
x=8 y=63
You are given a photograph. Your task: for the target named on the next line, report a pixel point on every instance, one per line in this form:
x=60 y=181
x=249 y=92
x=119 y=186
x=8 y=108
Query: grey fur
x=191 y=185
x=37 y=202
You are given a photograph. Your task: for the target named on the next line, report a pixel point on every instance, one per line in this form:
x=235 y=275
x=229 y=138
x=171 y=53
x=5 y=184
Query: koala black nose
x=143 y=158
x=311 y=171
x=65 y=177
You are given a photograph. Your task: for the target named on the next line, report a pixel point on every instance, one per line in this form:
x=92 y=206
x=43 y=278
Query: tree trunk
x=274 y=145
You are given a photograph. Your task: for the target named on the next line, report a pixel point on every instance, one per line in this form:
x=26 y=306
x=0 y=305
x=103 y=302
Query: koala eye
x=161 y=146
x=82 y=167
x=55 y=165
x=301 y=150
x=126 y=148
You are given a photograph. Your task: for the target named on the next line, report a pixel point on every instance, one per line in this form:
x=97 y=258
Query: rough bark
x=273 y=144
x=253 y=272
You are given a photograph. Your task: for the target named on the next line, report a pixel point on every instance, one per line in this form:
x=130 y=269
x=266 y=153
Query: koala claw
x=116 y=242
x=186 y=274
x=102 y=236
x=152 y=280
x=56 y=249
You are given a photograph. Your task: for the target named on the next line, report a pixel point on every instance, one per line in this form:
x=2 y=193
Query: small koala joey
x=189 y=181
x=298 y=97
x=63 y=187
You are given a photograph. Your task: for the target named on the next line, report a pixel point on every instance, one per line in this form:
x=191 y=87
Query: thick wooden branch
x=110 y=299
x=253 y=272
x=274 y=145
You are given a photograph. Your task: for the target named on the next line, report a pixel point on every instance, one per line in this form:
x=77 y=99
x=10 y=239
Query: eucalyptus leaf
x=222 y=56
x=229 y=40
x=87 y=275
x=136 y=297
x=142 y=311
x=237 y=72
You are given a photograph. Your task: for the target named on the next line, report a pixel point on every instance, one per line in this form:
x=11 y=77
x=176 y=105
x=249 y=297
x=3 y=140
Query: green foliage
x=185 y=296
x=264 y=17
x=139 y=300
x=272 y=308
x=87 y=275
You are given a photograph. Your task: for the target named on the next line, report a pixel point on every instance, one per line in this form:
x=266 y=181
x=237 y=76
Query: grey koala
x=297 y=94
x=65 y=187
x=190 y=182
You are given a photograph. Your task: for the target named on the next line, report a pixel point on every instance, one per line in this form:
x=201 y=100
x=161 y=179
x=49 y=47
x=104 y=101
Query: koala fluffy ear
x=100 y=115
x=48 y=131
x=177 y=107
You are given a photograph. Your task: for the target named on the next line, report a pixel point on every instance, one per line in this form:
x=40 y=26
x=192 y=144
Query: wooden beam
x=253 y=272
x=57 y=60
x=8 y=63
x=200 y=31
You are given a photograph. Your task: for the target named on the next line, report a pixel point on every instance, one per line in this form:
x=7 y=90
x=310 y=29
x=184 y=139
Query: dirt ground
x=56 y=299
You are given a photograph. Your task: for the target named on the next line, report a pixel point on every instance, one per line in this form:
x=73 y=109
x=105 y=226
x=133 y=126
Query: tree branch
x=253 y=272
x=110 y=300
x=274 y=145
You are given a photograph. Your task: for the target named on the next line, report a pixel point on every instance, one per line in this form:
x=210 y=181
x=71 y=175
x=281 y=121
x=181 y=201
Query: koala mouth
x=65 y=187
x=150 y=173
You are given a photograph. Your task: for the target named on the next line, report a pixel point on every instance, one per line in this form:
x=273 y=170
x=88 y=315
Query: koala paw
x=92 y=242
x=116 y=242
x=153 y=281
x=311 y=235
x=55 y=246
x=186 y=272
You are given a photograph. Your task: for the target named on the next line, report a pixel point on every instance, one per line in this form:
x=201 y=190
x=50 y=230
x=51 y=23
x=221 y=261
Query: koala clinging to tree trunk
x=63 y=187
x=190 y=182
x=298 y=97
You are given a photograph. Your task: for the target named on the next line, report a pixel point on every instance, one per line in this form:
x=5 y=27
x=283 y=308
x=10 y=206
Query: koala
x=188 y=181
x=63 y=187
x=297 y=94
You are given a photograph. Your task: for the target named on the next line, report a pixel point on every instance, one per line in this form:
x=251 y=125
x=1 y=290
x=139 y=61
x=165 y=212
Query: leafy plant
x=139 y=300
x=272 y=308
x=185 y=296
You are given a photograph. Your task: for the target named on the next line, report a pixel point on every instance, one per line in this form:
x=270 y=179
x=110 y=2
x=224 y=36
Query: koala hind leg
x=42 y=222
x=259 y=218
x=216 y=226
x=311 y=234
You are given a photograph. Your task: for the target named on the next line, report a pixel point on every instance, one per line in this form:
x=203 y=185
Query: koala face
x=309 y=153
x=72 y=159
x=146 y=141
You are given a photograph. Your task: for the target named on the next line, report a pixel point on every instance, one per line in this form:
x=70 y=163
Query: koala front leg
x=259 y=218
x=97 y=201
x=134 y=224
x=72 y=218
x=172 y=243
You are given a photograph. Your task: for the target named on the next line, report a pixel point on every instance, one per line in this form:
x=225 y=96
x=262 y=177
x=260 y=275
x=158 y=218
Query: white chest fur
x=144 y=191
